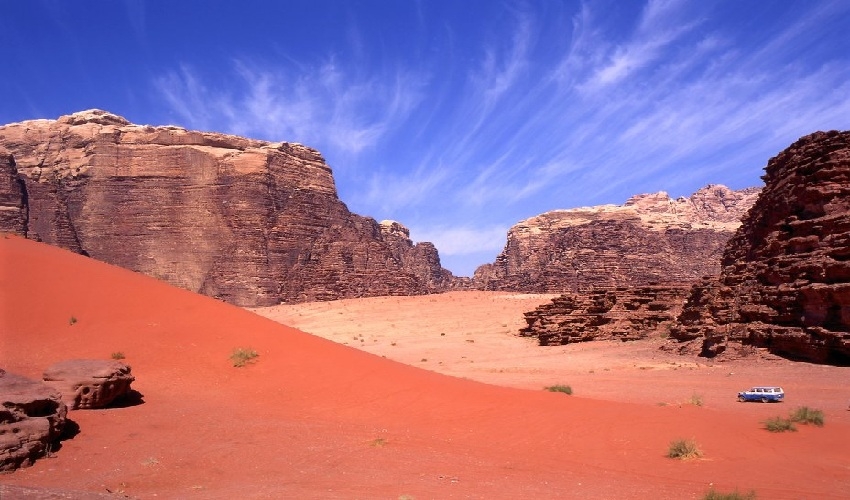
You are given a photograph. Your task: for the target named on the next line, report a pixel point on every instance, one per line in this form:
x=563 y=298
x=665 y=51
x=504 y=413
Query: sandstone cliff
x=650 y=239
x=785 y=282
x=250 y=222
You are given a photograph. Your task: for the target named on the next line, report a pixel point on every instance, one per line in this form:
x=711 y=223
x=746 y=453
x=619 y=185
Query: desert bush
x=241 y=356
x=806 y=415
x=779 y=424
x=735 y=495
x=683 y=449
x=696 y=400
x=72 y=320
x=118 y=355
x=560 y=388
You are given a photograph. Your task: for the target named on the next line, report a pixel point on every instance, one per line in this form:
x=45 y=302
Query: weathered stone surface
x=631 y=313
x=13 y=213
x=650 y=239
x=250 y=222
x=785 y=282
x=89 y=383
x=32 y=416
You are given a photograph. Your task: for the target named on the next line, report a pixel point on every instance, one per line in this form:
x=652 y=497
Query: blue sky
x=456 y=118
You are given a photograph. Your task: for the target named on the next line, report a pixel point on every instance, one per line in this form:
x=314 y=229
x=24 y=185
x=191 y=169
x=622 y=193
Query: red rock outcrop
x=785 y=281
x=32 y=416
x=650 y=239
x=89 y=383
x=620 y=314
x=250 y=222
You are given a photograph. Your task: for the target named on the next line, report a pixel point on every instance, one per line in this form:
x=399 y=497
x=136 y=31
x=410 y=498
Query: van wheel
x=741 y=399
x=764 y=400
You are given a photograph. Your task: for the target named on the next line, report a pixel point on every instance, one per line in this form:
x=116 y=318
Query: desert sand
x=406 y=412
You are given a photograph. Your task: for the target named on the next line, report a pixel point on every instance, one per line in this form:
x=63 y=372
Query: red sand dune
x=314 y=419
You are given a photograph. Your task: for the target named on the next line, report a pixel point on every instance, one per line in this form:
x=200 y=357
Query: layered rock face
x=89 y=383
x=631 y=313
x=250 y=222
x=650 y=239
x=785 y=282
x=32 y=416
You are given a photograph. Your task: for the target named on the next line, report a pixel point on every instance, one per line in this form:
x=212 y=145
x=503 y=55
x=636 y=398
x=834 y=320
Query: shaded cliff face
x=785 y=283
x=250 y=222
x=650 y=239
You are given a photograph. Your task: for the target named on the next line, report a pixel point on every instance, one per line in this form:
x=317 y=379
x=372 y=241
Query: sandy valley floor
x=319 y=419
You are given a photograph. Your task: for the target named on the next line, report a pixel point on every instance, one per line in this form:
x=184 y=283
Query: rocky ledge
x=620 y=314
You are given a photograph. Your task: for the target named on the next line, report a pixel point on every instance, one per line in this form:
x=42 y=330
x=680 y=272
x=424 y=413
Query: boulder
x=89 y=383
x=32 y=416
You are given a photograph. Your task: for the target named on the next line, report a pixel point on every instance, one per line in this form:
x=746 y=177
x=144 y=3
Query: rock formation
x=650 y=239
x=785 y=281
x=32 y=416
x=250 y=222
x=631 y=313
x=89 y=383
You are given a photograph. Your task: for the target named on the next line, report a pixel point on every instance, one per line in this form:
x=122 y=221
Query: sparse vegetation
x=805 y=415
x=560 y=388
x=779 y=424
x=696 y=400
x=735 y=495
x=72 y=321
x=684 y=449
x=378 y=442
x=118 y=355
x=241 y=356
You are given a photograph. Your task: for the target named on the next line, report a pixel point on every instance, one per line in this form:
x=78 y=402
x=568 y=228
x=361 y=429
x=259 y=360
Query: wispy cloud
x=319 y=105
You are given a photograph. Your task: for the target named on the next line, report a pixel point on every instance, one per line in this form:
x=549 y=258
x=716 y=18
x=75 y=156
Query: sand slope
x=315 y=419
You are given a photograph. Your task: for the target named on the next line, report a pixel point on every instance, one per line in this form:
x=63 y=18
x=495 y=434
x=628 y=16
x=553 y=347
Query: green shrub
x=242 y=356
x=560 y=388
x=806 y=415
x=735 y=495
x=779 y=424
x=683 y=449
x=72 y=321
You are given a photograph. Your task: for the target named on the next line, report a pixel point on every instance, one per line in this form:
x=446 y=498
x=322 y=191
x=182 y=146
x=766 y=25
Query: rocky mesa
x=785 y=280
x=250 y=222
x=652 y=238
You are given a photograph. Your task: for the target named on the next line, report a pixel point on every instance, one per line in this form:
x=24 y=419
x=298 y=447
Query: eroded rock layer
x=251 y=222
x=650 y=239
x=785 y=281
x=89 y=383
x=32 y=416
x=627 y=313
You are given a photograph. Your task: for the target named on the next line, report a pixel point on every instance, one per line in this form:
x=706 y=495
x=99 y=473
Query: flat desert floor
x=433 y=397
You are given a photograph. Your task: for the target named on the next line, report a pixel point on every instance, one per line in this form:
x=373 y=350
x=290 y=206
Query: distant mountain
x=650 y=239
